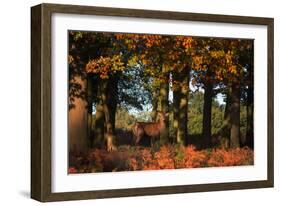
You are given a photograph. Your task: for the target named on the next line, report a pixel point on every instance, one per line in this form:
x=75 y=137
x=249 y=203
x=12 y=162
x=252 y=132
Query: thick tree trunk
x=250 y=119
x=155 y=98
x=182 y=136
x=207 y=114
x=90 y=108
x=164 y=101
x=235 y=115
x=112 y=95
x=106 y=110
x=78 y=116
x=226 y=121
x=106 y=106
x=176 y=106
x=250 y=110
x=100 y=119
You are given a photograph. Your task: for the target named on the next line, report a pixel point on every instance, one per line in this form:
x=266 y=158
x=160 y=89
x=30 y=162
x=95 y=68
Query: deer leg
x=137 y=140
x=139 y=133
x=135 y=134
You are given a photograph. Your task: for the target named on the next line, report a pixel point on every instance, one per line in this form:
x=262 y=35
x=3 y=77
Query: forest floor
x=132 y=158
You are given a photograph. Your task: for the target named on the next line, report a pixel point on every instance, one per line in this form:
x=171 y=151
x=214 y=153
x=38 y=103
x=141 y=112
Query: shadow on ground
x=24 y=193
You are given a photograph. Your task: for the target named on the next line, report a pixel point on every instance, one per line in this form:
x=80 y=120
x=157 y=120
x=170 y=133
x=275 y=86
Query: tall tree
x=206 y=62
x=182 y=133
x=164 y=103
x=177 y=57
x=98 y=136
x=116 y=60
x=226 y=121
x=90 y=107
x=78 y=54
x=235 y=115
x=250 y=115
x=176 y=104
x=154 y=58
x=239 y=66
x=103 y=66
x=207 y=110
x=247 y=60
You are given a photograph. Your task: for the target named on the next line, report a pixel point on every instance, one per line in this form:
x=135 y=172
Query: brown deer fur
x=109 y=142
x=150 y=129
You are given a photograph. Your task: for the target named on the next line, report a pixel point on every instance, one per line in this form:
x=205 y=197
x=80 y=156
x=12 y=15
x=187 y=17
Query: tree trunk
x=106 y=106
x=155 y=98
x=250 y=111
x=164 y=101
x=182 y=137
x=176 y=105
x=106 y=110
x=100 y=119
x=226 y=121
x=250 y=126
x=90 y=108
x=78 y=115
x=207 y=114
x=235 y=115
x=112 y=95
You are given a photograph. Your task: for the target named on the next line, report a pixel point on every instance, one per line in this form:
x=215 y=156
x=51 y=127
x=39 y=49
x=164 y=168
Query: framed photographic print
x=130 y=102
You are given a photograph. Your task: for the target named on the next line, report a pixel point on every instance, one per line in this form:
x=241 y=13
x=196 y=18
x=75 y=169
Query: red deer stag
x=150 y=129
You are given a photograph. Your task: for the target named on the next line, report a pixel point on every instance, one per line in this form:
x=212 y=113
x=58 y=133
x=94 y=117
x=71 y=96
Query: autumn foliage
x=127 y=158
x=204 y=85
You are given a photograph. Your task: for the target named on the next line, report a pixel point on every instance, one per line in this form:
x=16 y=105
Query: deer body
x=150 y=129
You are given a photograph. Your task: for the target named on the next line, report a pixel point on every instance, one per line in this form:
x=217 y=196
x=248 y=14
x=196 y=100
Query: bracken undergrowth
x=128 y=158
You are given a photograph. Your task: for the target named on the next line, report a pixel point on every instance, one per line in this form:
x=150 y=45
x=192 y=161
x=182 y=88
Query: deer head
x=163 y=116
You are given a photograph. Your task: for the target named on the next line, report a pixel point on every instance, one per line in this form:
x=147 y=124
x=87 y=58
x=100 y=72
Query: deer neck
x=161 y=124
